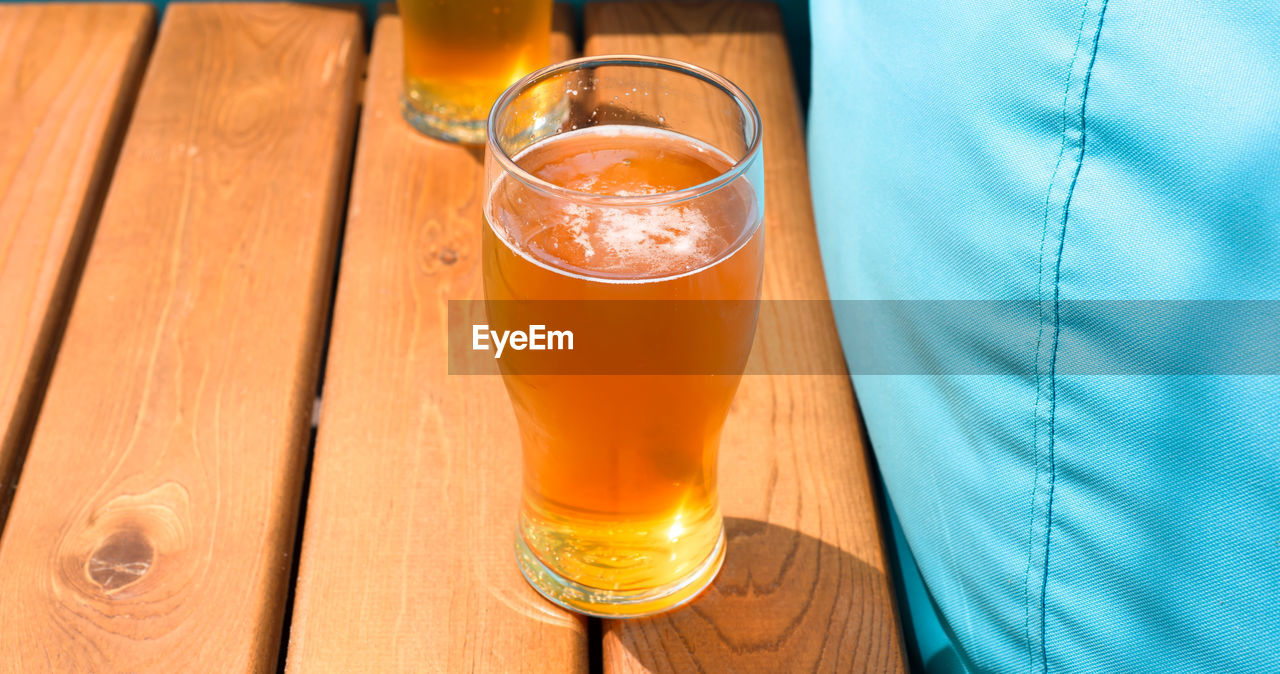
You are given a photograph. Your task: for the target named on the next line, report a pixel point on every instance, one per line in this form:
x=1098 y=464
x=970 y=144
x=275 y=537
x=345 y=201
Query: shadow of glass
x=784 y=601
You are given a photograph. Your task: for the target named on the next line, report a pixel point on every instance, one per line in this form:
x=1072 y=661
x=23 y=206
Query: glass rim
x=735 y=170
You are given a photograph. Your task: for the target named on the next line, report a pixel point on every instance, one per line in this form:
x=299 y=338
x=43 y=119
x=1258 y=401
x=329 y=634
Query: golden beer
x=620 y=514
x=459 y=55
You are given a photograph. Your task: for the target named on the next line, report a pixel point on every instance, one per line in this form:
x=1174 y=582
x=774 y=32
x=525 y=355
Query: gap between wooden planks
x=68 y=76
x=154 y=519
x=804 y=586
x=407 y=555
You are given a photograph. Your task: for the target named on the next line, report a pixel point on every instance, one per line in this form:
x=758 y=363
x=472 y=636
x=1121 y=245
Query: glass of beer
x=459 y=55
x=632 y=182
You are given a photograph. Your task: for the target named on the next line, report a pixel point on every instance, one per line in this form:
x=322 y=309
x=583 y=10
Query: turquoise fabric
x=1054 y=152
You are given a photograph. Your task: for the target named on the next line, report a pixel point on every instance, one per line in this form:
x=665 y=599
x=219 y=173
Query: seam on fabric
x=1057 y=331
x=1035 y=427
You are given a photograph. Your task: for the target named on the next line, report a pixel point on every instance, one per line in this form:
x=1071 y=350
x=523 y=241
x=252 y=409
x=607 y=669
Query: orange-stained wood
x=68 y=75
x=153 y=524
x=407 y=557
x=805 y=584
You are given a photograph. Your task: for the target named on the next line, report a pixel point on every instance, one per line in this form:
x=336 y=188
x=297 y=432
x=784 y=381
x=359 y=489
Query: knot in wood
x=123 y=559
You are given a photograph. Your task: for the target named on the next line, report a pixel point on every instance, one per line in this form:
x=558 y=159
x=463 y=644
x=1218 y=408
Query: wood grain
x=68 y=76
x=153 y=524
x=407 y=557
x=804 y=587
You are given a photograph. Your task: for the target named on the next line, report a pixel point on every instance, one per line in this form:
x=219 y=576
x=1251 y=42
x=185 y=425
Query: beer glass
x=623 y=179
x=459 y=55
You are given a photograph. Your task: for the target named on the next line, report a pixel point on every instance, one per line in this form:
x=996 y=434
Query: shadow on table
x=784 y=601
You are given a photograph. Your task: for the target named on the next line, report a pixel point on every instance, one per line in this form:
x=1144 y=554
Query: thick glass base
x=452 y=129
x=601 y=603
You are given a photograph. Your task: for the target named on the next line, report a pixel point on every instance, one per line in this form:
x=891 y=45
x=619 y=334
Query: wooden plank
x=563 y=29
x=804 y=586
x=68 y=76
x=407 y=557
x=154 y=520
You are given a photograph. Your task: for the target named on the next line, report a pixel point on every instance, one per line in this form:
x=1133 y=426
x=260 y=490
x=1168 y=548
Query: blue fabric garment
x=1053 y=152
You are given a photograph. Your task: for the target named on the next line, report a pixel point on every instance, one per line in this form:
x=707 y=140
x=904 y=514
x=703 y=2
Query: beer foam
x=622 y=242
x=636 y=240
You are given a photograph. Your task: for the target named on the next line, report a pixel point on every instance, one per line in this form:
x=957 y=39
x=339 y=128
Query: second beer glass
x=459 y=55
x=623 y=179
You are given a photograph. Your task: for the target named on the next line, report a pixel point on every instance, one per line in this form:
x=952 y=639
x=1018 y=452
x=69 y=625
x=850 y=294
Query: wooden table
x=173 y=308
